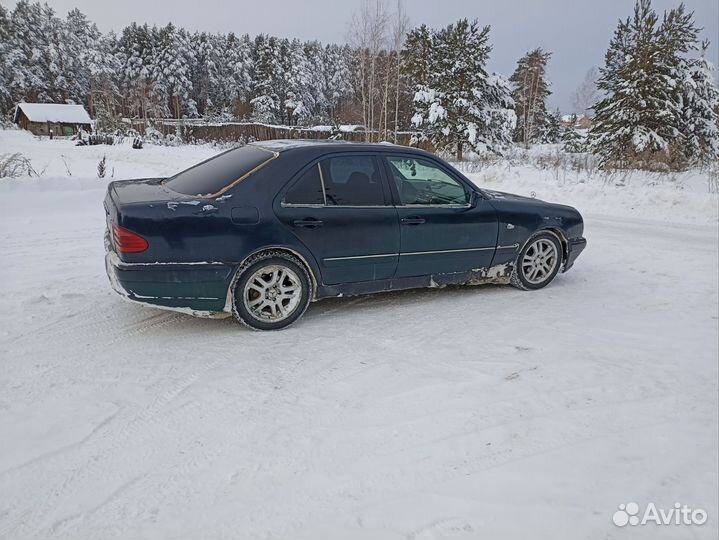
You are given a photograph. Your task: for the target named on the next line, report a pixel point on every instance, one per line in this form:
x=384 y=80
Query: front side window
x=352 y=181
x=222 y=171
x=421 y=182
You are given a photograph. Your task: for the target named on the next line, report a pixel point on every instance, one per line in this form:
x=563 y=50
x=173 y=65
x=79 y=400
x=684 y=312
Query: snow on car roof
x=278 y=145
x=53 y=112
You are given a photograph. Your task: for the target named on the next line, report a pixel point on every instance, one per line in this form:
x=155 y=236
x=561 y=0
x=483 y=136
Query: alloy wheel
x=539 y=261
x=272 y=293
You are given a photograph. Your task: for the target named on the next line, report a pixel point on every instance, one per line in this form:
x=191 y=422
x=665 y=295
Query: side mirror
x=474 y=199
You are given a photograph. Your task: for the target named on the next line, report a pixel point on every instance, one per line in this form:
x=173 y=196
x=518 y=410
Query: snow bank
x=682 y=198
x=60 y=158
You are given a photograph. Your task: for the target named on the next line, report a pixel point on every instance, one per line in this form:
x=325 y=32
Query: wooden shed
x=59 y=118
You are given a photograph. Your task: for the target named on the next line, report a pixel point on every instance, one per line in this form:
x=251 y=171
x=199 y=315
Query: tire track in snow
x=85 y=462
x=173 y=476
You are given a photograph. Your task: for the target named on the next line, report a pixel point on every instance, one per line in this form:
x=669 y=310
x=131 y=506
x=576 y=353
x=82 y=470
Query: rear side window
x=352 y=181
x=307 y=190
x=219 y=172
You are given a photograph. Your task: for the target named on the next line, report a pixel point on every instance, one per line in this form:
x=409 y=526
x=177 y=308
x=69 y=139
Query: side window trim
x=322 y=182
x=395 y=194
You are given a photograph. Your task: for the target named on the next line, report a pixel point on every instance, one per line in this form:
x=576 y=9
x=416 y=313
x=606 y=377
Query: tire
x=271 y=290
x=538 y=262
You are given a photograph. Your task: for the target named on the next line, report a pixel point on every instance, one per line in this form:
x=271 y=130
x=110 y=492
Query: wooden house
x=58 y=119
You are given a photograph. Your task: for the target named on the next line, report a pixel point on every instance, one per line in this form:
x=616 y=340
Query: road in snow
x=463 y=413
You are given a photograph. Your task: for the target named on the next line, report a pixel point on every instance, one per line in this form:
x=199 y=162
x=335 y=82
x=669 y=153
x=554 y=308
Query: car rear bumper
x=196 y=288
x=574 y=247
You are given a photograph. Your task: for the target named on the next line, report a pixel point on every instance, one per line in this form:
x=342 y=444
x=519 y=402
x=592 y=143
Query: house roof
x=53 y=112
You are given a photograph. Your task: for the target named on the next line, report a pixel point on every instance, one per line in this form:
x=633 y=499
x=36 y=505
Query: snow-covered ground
x=456 y=413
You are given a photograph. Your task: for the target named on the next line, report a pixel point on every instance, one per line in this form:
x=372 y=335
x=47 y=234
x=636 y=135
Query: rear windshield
x=214 y=175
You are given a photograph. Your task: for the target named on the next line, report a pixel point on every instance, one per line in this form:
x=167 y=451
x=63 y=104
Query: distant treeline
x=655 y=99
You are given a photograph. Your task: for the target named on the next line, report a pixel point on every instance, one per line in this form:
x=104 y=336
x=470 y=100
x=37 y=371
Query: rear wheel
x=538 y=262
x=272 y=290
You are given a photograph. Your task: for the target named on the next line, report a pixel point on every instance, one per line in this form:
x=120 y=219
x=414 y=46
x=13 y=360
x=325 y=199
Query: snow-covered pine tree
x=68 y=78
x=338 y=85
x=171 y=72
x=136 y=50
x=159 y=66
x=233 y=57
x=573 y=141
x=461 y=105
x=417 y=64
x=640 y=121
x=552 y=132
x=80 y=38
x=530 y=91
x=677 y=36
x=701 y=108
x=316 y=98
x=27 y=68
x=105 y=68
x=5 y=97
x=203 y=72
x=266 y=102
x=498 y=116
x=418 y=54
x=299 y=100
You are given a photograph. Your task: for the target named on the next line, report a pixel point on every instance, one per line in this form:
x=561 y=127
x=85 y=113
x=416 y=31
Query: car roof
x=312 y=146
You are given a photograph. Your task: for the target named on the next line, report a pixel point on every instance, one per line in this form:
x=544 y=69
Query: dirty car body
x=361 y=218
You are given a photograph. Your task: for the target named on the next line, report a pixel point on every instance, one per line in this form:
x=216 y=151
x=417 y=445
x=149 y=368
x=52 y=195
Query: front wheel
x=272 y=290
x=538 y=262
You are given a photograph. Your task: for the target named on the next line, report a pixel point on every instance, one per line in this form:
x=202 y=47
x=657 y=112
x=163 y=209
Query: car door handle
x=308 y=223
x=413 y=221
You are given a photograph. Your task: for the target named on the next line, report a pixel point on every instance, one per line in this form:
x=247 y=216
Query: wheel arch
x=561 y=236
x=561 y=239
x=311 y=271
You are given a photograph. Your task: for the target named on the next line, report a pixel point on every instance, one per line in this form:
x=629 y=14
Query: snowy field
x=457 y=413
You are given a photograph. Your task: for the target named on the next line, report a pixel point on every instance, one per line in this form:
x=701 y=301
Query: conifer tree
x=27 y=69
x=236 y=72
x=266 y=103
x=418 y=54
x=5 y=96
x=338 y=86
x=104 y=66
x=551 y=132
x=643 y=121
x=461 y=105
x=701 y=110
x=572 y=141
x=204 y=72
x=136 y=50
x=530 y=92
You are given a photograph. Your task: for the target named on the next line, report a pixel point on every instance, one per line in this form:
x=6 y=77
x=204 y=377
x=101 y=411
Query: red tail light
x=127 y=241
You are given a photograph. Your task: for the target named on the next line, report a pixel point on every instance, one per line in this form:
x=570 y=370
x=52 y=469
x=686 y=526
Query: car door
x=444 y=228
x=340 y=208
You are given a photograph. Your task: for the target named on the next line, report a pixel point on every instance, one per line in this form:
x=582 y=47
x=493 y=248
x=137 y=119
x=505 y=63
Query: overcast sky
x=577 y=32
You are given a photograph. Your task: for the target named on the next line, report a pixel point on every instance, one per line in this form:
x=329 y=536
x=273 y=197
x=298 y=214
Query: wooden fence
x=252 y=131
